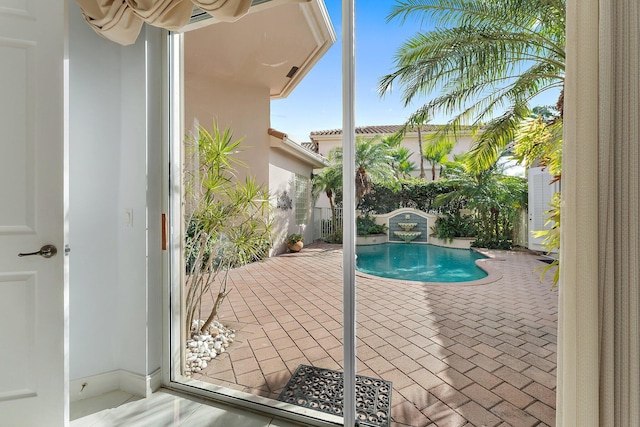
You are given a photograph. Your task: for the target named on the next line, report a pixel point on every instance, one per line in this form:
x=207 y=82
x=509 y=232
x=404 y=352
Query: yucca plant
x=227 y=223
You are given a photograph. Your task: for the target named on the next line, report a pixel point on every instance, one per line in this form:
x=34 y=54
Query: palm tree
x=492 y=195
x=327 y=181
x=401 y=163
x=417 y=121
x=372 y=164
x=393 y=140
x=399 y=155
x=436 y=152
x=489 y=57
x=539 y=141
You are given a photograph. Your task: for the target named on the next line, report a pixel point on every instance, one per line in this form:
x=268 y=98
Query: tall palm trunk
x=422 y=175
x=334 y=223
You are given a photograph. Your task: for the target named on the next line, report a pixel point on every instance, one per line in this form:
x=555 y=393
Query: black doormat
x=322 y=390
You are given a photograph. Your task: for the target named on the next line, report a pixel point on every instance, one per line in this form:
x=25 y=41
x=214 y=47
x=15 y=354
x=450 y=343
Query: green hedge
x=413 y=193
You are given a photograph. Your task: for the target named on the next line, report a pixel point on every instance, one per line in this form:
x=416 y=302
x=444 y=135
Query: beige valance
x=121 y=20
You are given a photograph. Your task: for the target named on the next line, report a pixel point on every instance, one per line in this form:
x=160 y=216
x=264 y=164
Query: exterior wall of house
x=243 y=109
x=115 y=260
x=326 y=145
x=282 y=171
x=462 y=145
x=327 y=142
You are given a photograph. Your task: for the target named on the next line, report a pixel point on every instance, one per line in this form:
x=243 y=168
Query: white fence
x=323 y=226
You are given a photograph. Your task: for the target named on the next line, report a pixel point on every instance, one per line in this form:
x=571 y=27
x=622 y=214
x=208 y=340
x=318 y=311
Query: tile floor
x=480 y=355
x=163 y=409
x=457 y=355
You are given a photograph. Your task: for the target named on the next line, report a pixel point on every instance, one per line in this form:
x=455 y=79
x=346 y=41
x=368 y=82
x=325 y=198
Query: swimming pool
x=423 y=263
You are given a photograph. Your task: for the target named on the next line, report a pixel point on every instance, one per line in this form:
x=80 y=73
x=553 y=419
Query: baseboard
x=138 y=385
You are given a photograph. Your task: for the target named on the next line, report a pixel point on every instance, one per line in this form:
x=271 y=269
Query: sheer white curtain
x=121 y=20
x=619 y=209
x=599 y=327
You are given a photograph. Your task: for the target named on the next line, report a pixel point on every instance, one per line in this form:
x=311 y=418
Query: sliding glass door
x=252 y=323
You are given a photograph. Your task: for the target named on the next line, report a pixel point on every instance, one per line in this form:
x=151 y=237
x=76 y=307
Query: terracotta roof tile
x=311 y=146
x=371 y=130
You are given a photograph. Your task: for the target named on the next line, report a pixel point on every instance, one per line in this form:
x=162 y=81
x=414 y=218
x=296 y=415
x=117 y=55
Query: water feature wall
x=398 y=233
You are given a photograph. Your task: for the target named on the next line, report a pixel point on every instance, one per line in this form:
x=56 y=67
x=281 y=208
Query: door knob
x=47 y=251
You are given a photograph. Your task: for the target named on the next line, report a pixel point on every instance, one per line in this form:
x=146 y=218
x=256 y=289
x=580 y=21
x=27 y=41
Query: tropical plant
x=366 y=225
x=294 y=238
x=493 y=197
x=401 y=163
x=539 y=142
x=408 y=193
x=327 y=181
x=449 y=226
x=400 y=156
x=436 y=152
x=489 y=58
x=372 y=162
x=417 y=121
x=227 y=223
x=393 y=140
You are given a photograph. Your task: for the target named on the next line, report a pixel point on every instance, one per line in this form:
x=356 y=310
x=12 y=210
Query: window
x=302 y=199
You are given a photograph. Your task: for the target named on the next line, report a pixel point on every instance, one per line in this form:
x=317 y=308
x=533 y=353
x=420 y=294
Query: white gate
x=323 y=226
x=540 y=192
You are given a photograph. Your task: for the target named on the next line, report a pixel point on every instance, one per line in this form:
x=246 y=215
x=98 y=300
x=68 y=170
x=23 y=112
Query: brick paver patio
x=481 y=355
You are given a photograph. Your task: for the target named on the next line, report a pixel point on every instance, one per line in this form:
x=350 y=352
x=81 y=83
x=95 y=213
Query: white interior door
x=33 y=289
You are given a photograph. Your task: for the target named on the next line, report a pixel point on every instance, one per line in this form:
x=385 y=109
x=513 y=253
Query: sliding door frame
x=173 y=305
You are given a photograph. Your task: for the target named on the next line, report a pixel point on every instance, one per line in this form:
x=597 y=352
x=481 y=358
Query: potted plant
x=295 y=242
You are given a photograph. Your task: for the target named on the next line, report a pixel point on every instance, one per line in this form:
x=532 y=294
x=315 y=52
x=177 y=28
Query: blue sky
x=316 y=104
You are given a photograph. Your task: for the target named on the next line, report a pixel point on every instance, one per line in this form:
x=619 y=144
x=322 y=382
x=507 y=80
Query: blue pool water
x=423 y=263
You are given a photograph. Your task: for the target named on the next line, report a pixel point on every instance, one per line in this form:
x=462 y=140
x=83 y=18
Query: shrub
x=505 y=244
x=411 y=193
x=366 y=225
x=455 y=225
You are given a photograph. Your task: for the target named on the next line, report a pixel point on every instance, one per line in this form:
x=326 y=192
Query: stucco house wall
x=244 y=109
x=326 y=140
x=282 y=173
x=286 y=160
x=259 y=58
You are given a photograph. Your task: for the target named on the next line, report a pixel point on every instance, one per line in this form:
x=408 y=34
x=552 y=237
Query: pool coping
x=493 y=273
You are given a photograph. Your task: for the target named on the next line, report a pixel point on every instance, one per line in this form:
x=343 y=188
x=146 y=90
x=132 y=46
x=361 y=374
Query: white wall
x=463 y=144
x=115 y=164
x=282 y=171
x=325 y=146
x=243 y=109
